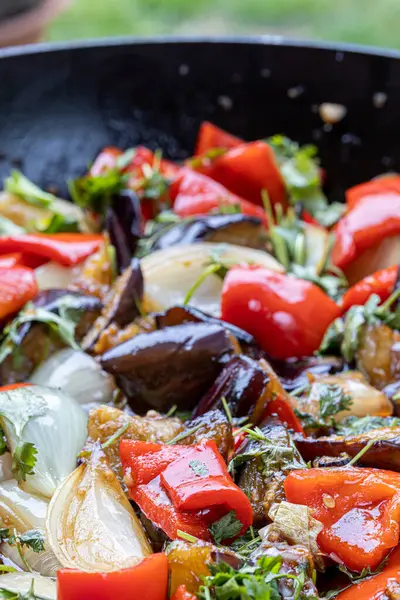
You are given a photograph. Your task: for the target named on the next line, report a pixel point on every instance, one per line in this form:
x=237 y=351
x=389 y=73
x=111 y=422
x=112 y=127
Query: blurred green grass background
x=356 y=21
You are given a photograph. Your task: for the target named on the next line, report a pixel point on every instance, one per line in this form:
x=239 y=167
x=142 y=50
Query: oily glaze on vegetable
x=201 y=379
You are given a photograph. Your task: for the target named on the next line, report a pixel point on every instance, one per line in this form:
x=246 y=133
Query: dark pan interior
x=59 y=106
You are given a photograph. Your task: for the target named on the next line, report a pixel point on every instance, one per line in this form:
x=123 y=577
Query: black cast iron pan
x=59 y=105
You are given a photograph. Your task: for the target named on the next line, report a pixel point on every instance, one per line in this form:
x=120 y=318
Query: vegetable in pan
x=200 y=380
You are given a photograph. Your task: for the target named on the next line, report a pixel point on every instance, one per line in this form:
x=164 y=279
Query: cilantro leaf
x=23 y=461
x=226 y=528
x=199 y=468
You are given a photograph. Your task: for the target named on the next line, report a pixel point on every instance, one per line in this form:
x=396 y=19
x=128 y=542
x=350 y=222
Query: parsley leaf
x=345 y=334
x=277 y=454
x=199 y=468
x=299 y=166
x=331 y=399
x=226 y=528
x=23 y=461
x=356 y=425
x=94 y=192
x=250 y=582
x=31 y=539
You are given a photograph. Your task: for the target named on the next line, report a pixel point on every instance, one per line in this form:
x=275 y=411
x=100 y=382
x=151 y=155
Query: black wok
x=60 y=104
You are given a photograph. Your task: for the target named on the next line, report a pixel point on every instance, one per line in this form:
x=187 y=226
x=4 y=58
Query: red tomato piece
x=17 y=287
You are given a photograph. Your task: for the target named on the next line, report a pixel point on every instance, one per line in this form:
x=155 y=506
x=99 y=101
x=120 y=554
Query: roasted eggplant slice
x=213 y=425
x=34 y=341
x=265 y=461
x=383 y=454
x=122 y=306
x=241 y=383
x=123 y=223
x=238 y=229
x=173 y=366
x=189 y=314
x=294 y=373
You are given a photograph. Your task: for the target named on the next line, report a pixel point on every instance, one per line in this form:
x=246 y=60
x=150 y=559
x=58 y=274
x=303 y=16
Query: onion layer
x=20 y=583
x=77 y=374
x=169 y=274
x=90 y=524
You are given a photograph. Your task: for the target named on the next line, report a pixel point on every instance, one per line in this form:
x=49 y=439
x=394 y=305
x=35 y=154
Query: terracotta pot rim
x=26 y=23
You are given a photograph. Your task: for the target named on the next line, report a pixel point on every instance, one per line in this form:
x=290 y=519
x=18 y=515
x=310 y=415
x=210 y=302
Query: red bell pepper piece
x=381 y=283
x=373 y=216
x=287 y=316
x=281 y=407
x=147 y=580
x=107 y=159
x=17 y=287
x=183 y=488
x=247 y=170
x=376 y=588
x=359 y=509
x=182 y=594
x=210 y=136
x=13 y=386
x=68 y=249
x=194 y=194
x=387 y=183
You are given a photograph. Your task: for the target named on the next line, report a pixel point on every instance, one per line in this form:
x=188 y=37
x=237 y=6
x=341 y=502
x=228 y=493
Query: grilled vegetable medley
x=200 y=379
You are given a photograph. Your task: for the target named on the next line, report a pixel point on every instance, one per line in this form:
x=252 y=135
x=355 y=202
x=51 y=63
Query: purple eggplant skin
x=36 y=341
x=123 y=305
x=241 y=383
x=176 y=315
x=239 y=229
x=88 y=307
x=293 y=373
x=123 y=224
x=173 y=366
x=383 y=454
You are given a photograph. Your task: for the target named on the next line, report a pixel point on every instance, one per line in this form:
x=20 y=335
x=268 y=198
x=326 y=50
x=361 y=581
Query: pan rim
x=244 y=40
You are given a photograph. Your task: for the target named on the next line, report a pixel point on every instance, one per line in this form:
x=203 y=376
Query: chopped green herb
x=199 y=468
x=356 y=425
x=345 y=334
x=184 y=434
x=58 y=223
x=274 y=455
x=300 y=170
x=23 y=461
x=226 y=528
x=205 y=159
x=63 y=324
x=250 y=582
x=332 y=400
x=21 y=186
